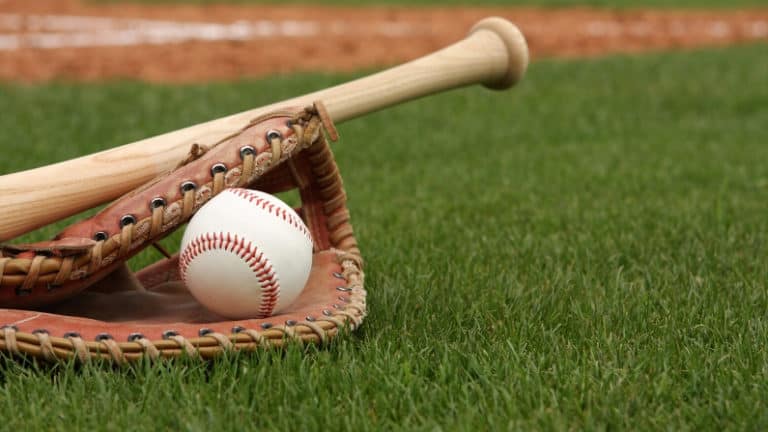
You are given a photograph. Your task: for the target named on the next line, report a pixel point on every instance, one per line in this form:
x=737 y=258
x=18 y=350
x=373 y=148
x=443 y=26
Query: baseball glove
x=75 y=297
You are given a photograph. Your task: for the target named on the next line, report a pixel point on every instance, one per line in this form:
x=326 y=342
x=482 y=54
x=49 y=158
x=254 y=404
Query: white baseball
x=245 y=254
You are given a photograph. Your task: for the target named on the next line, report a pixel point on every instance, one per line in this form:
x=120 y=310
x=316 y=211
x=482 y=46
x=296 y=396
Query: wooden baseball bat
x=494 y=54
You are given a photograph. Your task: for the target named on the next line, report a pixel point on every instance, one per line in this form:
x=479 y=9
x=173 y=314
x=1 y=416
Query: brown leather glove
x=74 y=296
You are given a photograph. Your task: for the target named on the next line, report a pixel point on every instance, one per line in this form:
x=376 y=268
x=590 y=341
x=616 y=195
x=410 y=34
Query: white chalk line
x=59 y=31
x=68 y=31
x=716 y=29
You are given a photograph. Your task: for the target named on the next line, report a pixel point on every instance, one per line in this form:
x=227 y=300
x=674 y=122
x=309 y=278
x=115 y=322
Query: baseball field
x=586 y=251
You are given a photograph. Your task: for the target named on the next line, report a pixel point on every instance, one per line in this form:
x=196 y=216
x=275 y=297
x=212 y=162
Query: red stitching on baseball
x=248 y=252
x=290 y=217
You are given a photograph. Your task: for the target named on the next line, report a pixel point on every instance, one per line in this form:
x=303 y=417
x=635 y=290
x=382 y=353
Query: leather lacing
x=349 y=313
x=45 y=269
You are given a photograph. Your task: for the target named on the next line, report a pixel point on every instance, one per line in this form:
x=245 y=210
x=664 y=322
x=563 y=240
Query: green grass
x=585 y=252
x=724 y=4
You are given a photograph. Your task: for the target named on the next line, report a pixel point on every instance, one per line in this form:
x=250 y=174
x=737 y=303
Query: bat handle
x=494 y=54
x=517 y=50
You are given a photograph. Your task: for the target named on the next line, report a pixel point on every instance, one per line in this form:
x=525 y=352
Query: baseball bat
x=494 y=54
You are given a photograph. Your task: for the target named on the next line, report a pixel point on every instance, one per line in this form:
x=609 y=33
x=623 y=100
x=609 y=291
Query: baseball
x=245 y=254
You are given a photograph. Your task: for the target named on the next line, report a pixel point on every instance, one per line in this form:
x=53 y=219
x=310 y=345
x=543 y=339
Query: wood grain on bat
x=494 y=54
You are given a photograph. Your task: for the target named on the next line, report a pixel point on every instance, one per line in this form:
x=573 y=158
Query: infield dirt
x=73 y=40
